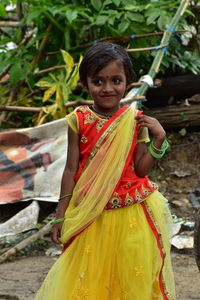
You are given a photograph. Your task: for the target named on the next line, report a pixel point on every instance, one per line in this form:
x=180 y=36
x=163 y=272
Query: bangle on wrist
x=164 y=146
x=67 y=195
x=57 y=221
x=158 y=152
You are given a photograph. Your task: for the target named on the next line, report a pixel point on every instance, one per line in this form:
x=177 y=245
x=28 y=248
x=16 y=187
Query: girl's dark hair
x=99 y=56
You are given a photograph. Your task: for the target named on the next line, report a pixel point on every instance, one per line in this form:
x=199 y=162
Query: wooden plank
x=176 y=116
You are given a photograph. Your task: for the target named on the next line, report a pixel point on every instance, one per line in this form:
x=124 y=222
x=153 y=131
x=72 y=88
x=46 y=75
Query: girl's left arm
x=144 y=161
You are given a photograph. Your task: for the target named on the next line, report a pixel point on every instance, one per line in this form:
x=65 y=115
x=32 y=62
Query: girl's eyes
x=100 y=82
x=117 y=80
x=97 y=82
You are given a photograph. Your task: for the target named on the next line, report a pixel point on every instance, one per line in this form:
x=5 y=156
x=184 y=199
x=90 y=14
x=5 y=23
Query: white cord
x=148 y=79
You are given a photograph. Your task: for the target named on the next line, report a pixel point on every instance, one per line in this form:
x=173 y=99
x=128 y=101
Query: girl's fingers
x=152 y=124
x=55 y=234
x=144 y=120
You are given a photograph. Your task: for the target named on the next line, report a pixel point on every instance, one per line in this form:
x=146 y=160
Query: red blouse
x=130 y=189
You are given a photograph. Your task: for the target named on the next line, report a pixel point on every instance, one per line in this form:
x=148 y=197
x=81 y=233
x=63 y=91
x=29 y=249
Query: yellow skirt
x=123 y=255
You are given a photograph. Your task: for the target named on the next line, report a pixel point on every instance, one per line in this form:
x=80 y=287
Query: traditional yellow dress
x=117 y=227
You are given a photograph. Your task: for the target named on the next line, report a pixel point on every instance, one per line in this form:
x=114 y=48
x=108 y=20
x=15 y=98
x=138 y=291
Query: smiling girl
x=111 y=219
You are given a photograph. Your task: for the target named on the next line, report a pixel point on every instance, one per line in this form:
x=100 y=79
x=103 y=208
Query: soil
x=178 y=175
x=23 y=277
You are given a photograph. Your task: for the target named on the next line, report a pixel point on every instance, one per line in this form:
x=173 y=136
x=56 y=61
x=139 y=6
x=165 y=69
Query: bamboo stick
x=20 y=108
x=165 y=40
x=174 y=116
x=26 y=242
x=144 y=49
x=14 y=24
x=125 y=38
x=68 y=104
x=49 y=70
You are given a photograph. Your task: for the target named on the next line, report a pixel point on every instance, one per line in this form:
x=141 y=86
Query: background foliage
x=45 y=27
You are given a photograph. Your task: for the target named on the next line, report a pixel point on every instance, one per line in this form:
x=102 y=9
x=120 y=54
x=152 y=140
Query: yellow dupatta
x=100 y=176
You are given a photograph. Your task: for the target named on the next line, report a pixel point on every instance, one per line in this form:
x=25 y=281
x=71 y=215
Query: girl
x=111 y=219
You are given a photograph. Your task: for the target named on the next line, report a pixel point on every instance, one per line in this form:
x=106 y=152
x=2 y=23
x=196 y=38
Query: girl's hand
x=154 y=126
x=55 y=232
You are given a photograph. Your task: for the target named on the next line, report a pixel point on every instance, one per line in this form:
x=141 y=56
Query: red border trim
x=162 y=254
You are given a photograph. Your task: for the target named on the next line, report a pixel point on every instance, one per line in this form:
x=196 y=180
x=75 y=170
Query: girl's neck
x=105 y=113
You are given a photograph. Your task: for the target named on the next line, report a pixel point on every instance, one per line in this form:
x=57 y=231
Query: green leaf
x=48 y=93
x=89 y=18
x=101 y=20
x=163 y=20
x=97 y=4
x=117 y=2
x=165 y=63
x=123 y=26
x=44 y=83
x=34 y=14
x=127 y=2
x=3 y=65
x=111 y=21
x=16 y=73
x=134 y=8
x=68 y=60
x=73 y=81
x=110 y=12
x=71 y=15
x=3 y=12
x=152 y=15
x=149 y=5
x=135 y=17
x=5 y=40
x=190 y=13
x=106 y=2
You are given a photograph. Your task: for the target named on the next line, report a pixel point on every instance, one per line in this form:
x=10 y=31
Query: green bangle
x=67 y=195
x=154 y=154
x=57 y=221
x=164 y=147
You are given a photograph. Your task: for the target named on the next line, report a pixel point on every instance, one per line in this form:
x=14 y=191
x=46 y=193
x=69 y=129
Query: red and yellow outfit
x=130 y=188
x=117 y=224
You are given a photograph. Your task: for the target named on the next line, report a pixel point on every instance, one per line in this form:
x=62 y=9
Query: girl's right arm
x=67 y=183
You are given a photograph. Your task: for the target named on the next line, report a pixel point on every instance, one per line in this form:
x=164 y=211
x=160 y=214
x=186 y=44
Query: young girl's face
x=108 y=86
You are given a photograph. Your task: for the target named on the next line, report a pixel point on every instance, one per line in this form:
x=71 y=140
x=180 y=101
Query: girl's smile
x=107 y=87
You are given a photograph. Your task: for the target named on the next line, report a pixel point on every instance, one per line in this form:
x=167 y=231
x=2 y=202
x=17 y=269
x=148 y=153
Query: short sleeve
x=72 y=121
x=143 y=135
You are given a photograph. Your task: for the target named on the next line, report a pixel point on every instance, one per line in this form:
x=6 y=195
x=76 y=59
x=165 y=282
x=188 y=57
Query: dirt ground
x=20 y=279
x=178 y=176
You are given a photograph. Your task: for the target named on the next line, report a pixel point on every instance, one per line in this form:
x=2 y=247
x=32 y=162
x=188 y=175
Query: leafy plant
x=60 y=86
x=46 y=26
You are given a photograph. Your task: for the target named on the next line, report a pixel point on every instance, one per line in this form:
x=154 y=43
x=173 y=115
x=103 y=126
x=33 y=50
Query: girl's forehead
x=113 y=68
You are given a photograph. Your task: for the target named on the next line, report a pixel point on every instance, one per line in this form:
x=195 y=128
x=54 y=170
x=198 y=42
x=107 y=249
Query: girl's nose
x=108 y=87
